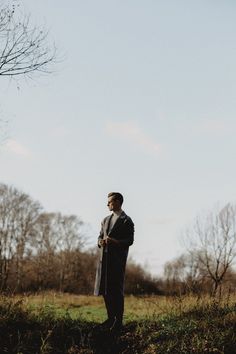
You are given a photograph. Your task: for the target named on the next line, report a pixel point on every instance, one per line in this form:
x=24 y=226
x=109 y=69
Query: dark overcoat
x=112 y=258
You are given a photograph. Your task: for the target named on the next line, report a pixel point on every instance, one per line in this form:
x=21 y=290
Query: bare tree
x=56 y=232
x=186 y=274
x=213 y=241
x=25 y=214
x=23 y=47
x=71 y=238
x=57 y=237
x=18 y=214
x=175 y=274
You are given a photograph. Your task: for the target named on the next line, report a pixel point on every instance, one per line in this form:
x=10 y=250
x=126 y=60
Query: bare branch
x=23 y=48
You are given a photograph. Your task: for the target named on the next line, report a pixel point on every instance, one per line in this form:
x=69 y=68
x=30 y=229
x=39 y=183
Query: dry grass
x=91 y=308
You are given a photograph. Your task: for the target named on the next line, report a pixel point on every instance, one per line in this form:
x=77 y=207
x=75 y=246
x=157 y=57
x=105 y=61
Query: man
x=116 y=235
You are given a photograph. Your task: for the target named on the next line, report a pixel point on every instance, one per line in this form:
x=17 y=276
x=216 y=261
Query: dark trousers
x=115 y=306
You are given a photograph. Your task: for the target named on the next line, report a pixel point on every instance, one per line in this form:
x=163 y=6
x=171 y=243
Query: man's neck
x=117 y=212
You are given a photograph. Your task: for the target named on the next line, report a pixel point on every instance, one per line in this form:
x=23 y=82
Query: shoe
x=107 y=324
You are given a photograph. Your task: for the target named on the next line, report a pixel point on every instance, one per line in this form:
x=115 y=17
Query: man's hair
x=116 y=196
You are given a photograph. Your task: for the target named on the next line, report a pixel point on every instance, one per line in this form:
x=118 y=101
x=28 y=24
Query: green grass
x=56 y=323
x=91 y=308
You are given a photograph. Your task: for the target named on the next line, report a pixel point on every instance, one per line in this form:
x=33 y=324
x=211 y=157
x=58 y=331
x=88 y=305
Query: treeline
x=48 y=251
x=41 y=251
x=187 y=275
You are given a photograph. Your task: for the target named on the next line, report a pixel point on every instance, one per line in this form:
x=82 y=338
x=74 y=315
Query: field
x=64 y=323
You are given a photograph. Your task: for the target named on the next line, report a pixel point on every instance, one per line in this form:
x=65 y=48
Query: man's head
x=115 y=201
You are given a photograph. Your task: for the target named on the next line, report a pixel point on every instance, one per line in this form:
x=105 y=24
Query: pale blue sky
x=143 y=103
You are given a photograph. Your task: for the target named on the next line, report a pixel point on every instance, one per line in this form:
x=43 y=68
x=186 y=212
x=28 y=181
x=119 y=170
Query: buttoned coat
x=112 y=258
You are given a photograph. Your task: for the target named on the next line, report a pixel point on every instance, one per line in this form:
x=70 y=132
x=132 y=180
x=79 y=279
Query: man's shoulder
x=126 y=217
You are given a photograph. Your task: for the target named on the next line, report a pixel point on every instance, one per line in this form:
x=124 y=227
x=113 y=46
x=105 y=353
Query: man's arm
x=129 y=239
x=101 y=235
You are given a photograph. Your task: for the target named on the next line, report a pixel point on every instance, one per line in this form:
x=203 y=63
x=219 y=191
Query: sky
x=141 y=101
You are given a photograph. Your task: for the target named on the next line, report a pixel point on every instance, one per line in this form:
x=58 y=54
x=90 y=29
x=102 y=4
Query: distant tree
x=69 y=229
x=138 y=281
x=57 y=236
x=81 y=269
x=185 y=274
x=212 y=240
x=24 y=48
x=174 y=274
x=18 y=214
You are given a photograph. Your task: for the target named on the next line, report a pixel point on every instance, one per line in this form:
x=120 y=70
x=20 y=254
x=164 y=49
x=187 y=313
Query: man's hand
x=109 y=240
x=101 y=242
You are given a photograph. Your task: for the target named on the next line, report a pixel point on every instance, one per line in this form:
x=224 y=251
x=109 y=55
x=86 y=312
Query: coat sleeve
x=129 y=234
x=101 y=234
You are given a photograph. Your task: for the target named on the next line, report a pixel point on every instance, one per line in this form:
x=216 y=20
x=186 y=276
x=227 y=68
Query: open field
x=63 y=323
x=91 y=308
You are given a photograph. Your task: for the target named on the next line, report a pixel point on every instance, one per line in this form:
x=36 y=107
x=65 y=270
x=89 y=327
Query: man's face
x=113 y=204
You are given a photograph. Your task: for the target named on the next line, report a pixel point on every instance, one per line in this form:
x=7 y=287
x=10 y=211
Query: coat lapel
x=107 y=224
x=118 y=222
